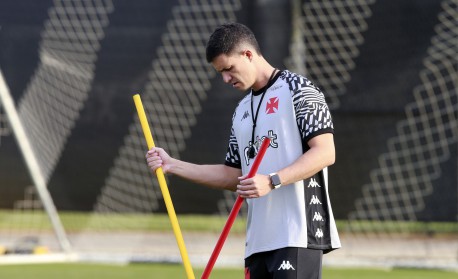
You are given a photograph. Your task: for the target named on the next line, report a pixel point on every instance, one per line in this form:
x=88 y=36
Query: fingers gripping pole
x=235 y=210
x=164 y=189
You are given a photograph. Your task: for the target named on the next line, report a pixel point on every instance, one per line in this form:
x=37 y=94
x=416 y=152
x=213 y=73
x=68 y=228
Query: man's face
x=236 y=69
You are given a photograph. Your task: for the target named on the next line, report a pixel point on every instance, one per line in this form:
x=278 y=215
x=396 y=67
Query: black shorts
x=285 y=263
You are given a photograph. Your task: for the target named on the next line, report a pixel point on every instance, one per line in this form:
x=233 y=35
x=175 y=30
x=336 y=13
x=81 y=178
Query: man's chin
x=239 y=87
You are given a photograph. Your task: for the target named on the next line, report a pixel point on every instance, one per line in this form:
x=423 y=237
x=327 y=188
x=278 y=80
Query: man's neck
x=264 y=78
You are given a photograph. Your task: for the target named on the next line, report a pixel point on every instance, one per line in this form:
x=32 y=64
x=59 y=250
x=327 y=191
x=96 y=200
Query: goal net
x=326 y=41
x=117 y=228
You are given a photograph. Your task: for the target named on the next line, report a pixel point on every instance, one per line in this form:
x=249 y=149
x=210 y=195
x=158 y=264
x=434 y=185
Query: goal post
x=32 y=164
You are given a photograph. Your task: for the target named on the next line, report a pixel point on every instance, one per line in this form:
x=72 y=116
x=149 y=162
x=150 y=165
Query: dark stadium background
x=381 y=85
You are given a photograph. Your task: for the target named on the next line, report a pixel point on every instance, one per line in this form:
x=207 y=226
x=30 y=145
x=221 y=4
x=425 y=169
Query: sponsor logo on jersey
x=257 y=144
x=273 y=139
x=272 y=105
x=286 y=265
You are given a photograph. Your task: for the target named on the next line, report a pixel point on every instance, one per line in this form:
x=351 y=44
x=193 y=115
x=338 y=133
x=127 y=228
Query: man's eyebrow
x=225 y=69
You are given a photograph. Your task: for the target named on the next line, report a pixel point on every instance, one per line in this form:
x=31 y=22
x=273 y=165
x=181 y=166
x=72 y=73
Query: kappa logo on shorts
x=286 y=265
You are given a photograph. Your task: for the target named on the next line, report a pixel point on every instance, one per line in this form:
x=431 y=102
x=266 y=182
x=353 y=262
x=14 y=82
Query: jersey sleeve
x=233 y=154
x=312 y=113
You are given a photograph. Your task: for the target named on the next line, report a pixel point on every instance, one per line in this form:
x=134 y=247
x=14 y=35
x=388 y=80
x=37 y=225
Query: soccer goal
x=41 y=121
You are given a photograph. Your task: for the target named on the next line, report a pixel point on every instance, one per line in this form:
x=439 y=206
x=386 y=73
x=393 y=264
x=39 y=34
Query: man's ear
x=248 y=54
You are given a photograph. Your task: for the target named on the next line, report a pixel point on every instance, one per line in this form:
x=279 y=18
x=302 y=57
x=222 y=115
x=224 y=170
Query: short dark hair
x=227 y=37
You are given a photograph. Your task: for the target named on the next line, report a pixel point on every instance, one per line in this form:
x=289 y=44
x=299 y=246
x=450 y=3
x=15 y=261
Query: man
x=290 y=222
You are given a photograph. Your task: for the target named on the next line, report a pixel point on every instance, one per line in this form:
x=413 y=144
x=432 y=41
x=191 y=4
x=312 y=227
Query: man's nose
x=226 y=77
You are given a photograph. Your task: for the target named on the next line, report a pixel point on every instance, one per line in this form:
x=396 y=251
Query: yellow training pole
x=164 y=189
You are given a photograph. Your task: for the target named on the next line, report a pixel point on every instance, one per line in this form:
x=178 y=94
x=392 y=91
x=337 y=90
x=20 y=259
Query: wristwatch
x=275 y=181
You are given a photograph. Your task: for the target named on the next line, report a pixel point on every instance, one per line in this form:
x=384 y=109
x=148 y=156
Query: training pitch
x=74 y=271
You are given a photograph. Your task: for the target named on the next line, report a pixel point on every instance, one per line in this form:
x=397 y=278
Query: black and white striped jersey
x=292 y=112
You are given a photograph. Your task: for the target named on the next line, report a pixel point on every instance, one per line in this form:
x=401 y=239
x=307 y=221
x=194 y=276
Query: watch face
x=275 y=180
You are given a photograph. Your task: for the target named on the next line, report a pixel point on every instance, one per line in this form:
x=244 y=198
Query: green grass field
x=75 y=221
x=159 y=271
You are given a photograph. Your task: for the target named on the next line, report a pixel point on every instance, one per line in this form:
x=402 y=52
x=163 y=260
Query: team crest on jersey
x=272 y=105
x=257 y=144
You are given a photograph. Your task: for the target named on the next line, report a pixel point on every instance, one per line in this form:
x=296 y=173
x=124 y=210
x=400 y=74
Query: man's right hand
x=156 y=158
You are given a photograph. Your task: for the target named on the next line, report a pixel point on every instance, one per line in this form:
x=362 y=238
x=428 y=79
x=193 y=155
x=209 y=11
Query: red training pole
x=235 y=210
